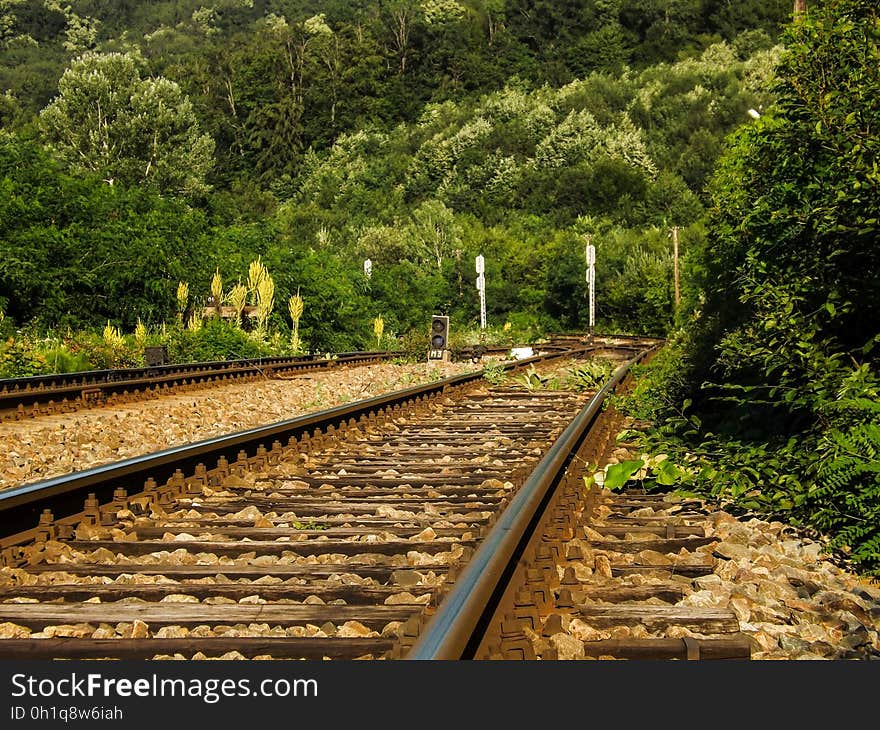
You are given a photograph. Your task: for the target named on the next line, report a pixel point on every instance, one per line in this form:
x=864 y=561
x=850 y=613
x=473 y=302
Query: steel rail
x=40 y=389
x=21 y=506
x=455 y=630
x=597 y=335
x=110 y=375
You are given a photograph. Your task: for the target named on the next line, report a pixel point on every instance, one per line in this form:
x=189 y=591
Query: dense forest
x=147 y=144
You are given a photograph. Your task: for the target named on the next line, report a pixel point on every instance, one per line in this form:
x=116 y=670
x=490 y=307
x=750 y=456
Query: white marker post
x=591 y=282
x=481 y=287
x=368 y=268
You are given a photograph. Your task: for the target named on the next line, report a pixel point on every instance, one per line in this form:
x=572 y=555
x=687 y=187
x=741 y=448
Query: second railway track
x=31 y=397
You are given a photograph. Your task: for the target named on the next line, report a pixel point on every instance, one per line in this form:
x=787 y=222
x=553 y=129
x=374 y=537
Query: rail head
x=454 y=630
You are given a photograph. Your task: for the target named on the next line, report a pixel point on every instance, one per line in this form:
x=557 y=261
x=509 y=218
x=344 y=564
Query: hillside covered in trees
x=145 y=144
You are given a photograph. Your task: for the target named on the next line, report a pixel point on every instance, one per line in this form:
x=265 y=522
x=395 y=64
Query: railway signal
x=439 y=337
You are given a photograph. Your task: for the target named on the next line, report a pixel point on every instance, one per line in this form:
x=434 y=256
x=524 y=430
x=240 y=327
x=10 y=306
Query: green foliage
x=845 y=497
x=659 y=385
x=27 y=354
x=108 y=121
x=531 y=379
x=335 y=144
x=20 y=358
x=795 y=225
x=77 y=252
x=414 y=344
x=618 y=475
x=589 y=375
x=61 y=359
x=102 y=353
x=647 y=472
x=824 y=477
x=494 y=373
x=217 y=339
x=773 y=406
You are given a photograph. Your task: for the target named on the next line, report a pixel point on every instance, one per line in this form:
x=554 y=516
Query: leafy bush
x=102 y=354
x=531 y=379
x=19 y=358
x=217 y=339
x=825 y=477
x=589 y=375
x=414 y=344
x=495 y=373
x=60 y=359
x=781 y=414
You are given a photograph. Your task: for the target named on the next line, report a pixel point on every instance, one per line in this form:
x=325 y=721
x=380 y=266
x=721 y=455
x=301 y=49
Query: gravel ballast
x=49 y=446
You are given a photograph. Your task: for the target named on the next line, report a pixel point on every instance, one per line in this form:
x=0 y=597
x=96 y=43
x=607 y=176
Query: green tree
x=434 y=227
x=75 y=251
x=794 y=220
x=129 y=130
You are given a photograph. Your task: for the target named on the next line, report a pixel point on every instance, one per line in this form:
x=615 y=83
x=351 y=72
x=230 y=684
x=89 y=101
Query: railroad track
x=41 y=395
x=332 y=535
x=445 y=522
x=22 y=398
x=611 y=578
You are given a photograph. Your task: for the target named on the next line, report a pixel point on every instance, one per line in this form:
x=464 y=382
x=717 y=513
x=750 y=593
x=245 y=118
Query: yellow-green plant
x=195 y=322
x=257 y=271
x=265 y=302
x=112 y=336
x=323 y=236
x=182 y=298
x=217 y=287
x=237 y=298
x=296 y=307
x=140 y=334
x=378 y=329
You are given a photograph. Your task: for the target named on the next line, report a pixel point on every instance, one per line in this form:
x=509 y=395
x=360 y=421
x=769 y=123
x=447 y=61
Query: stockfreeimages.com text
x=209 y=690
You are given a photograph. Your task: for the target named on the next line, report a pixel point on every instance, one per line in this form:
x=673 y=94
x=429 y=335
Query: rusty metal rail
x=26 y=397
x=456 y=630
